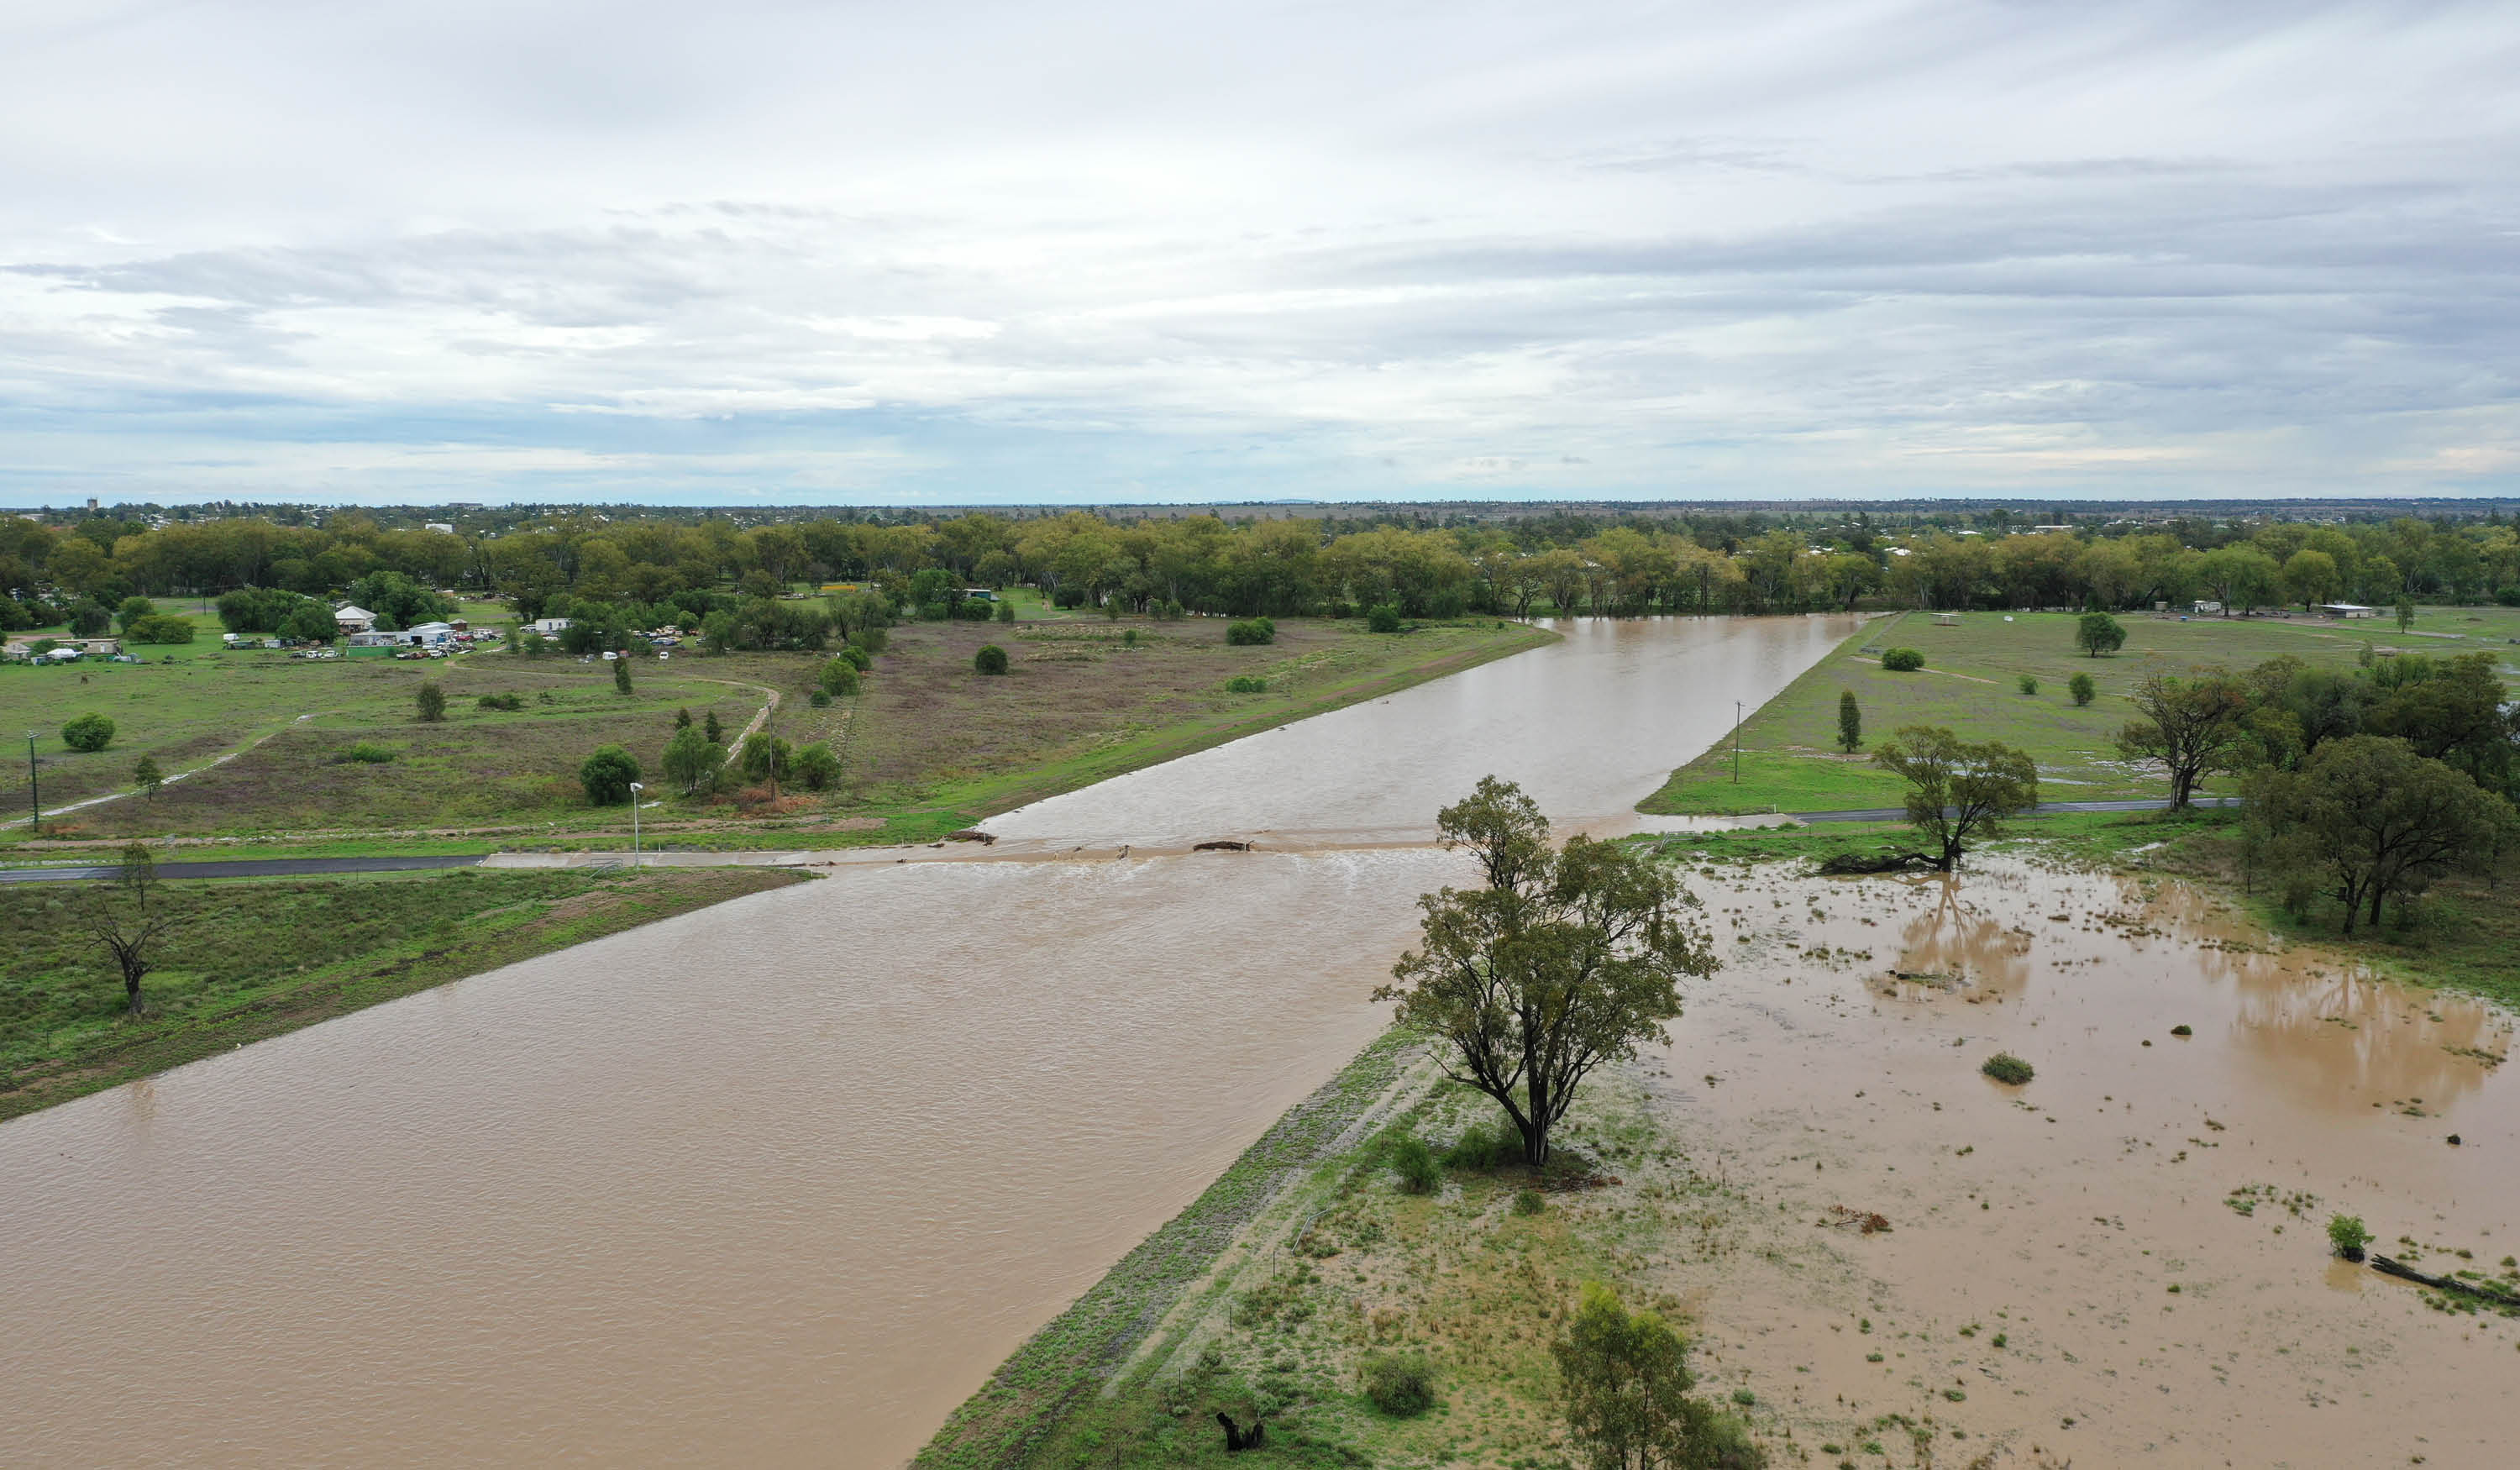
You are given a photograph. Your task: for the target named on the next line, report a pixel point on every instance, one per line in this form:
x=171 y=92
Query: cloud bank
x=764 y=252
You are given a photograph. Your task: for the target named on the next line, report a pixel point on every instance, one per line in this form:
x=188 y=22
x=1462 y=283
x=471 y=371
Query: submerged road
x=241 y=867
x=290 y=867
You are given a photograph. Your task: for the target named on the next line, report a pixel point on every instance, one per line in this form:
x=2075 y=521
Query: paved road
x=241 y=867
x=1900 y=814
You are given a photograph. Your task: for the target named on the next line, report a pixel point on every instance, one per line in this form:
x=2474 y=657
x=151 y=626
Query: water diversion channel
x=781 y=1180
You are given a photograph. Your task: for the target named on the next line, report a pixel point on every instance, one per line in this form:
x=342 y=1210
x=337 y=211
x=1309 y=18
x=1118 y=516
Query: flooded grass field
x=2123 y=1261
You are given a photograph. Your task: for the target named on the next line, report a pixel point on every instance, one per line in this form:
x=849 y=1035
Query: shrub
x=430 y=702
x=606 y=776
x=817 y=768
x=857 y=658
x=1529 y=1202
x=1251 y=631
x=89 y=619
x=1483 y=1148
x=2347 y=1236
x=88 y=733
x=2004 y=1067
x=2183 y=1029
x=501 y=701
x=1902 y=660
x=132 y=610
x=1006 y=612
x=818 y=698
x=1128 y=640
x=2028 y=685
x=2081 y=689
x=1418 y=1172
x=159 y=628
x=622 y=674
x=839 y=677
x=1383 y=618
x=1246 y=683
x=1400 y=1384
x=991 y=659
x=368 y=753
x=870 y=640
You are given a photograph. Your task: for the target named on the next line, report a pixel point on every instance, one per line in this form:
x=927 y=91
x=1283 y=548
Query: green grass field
x=1789 y=761
x=927 y=747
x=243 y=962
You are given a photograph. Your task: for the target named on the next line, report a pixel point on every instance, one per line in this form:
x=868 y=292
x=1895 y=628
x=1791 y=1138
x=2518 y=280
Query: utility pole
x=635 y=789
x=35 y=796
x=1737 y=742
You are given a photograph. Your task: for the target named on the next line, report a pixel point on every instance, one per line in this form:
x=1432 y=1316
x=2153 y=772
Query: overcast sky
x=952 y=252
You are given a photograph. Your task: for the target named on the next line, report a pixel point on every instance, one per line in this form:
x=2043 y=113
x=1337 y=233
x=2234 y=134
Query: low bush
x=501 y=701
x=431 y=702
x=857 y=658
x=1006 y=612
x=2347 y=1236
x=88 y=733
x=1383 y=618
x=818 y=768
x=2004 y=1067
x=1902 y=660
x=991 y=659
x=368 y=753
x=606 y=776
x=1485 y=1146
x=870 y=640
x=1400 y=1384
x=1246 y=683
x=1416 y=1165
x=839 y=678
x=1529 y=1202
x=2081 y=689
x=818 y=698
x=2028 y=685
x=1251 y=631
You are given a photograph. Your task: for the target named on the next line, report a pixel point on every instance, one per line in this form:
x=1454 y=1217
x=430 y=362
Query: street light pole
x=635 y=789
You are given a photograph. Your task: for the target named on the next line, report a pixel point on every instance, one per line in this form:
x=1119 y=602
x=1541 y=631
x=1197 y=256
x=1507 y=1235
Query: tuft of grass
x=2007 y=1068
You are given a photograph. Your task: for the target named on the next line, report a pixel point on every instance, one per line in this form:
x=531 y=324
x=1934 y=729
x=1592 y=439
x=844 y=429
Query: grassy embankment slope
x=1790 y=763
x=927 y=747
x=245 y=961
x=1265 y=1296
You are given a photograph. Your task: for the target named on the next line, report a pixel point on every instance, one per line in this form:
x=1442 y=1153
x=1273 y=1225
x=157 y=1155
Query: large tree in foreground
x=1959 y=792
x=1569 y=958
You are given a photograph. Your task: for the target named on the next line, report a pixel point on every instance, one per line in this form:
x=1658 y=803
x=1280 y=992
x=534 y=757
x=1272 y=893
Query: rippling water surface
x=781 y=1182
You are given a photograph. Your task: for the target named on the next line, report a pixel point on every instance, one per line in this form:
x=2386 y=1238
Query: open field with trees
x=1792 y=759
x=235 y=964
x=341 y=750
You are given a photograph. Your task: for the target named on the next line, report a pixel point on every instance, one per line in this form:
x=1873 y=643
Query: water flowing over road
x=780 y=1181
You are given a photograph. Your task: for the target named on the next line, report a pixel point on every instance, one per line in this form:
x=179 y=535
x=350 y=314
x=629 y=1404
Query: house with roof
x=351 y=618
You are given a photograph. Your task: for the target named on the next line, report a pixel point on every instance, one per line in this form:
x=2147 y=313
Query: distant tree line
x=1613 y=566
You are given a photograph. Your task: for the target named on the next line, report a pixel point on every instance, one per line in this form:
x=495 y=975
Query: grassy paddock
x=246 y=963
x=929 y=746
x=1970 y=683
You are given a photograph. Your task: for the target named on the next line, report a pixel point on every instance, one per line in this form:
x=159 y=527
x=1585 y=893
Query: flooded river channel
x=781 y=1180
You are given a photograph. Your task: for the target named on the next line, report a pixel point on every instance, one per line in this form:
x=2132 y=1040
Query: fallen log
x=2405 y=1273
x=1848 y=865
x=1221 y=847
x=971 y=835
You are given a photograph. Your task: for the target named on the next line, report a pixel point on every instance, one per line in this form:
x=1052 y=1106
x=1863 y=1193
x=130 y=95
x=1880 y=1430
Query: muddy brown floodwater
x=2144 y=1224
x=781 y=1180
